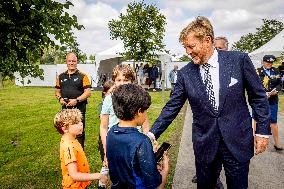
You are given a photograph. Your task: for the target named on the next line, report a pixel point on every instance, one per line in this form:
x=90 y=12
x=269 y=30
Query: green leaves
x=92 y=58
x=185 y=58
x=265 y=33
x=26 y=30
x=141 y=29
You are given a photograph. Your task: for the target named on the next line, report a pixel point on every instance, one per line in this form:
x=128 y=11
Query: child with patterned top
x=121 y=74
x=107 y=89
x=74 y=164
x=130 y=153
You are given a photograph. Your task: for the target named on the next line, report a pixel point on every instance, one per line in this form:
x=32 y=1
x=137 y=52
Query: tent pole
x=163 y=81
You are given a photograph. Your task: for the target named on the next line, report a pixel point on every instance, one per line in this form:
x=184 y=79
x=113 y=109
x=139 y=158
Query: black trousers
x=236 y=172
x=82 y=108
x=154 y=81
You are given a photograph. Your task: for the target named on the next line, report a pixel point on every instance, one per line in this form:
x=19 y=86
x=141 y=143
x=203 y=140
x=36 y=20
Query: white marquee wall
x=50 y=74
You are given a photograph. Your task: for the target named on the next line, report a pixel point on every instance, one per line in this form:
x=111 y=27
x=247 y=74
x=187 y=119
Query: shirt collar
x=116 y=129
x=76 y=72
x=266 y=69
x=213 y=60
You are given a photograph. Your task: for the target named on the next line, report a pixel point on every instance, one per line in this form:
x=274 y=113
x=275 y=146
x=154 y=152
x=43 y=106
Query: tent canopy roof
x=274 y=46
x=115 y=52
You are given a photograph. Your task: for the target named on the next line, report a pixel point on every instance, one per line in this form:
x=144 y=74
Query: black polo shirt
x=72 y=85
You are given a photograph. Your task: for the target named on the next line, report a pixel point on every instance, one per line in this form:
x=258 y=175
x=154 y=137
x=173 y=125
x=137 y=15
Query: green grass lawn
x=29 y=144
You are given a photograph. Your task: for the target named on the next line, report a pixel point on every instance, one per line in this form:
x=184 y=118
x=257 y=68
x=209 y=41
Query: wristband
x=151 y=136
x=78 y=100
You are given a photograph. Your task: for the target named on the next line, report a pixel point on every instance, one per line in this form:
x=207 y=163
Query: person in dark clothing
x=214 y=84
x=72 y=90
x=281 y=70
x=130 y=155
x=271 y=81
x=153 y=75
x=146 y=69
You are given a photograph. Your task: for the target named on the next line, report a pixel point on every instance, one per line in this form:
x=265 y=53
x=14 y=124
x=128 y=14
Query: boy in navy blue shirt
x=130 y=153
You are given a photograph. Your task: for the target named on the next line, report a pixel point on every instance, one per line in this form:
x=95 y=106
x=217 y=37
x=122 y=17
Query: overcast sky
x=230 y=18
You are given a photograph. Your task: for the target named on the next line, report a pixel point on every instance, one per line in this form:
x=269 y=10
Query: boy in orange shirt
x=74 y=165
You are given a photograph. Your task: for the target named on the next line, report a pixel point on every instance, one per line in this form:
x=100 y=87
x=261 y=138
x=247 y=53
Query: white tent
x=50 y=72
x=110 y=53
x=274 y=47
x=108 y=59
x=49 y=77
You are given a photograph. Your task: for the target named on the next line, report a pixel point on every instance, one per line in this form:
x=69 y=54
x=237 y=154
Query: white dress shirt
x=214 y=72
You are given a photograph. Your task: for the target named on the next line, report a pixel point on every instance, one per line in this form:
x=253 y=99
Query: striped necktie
x=209 y=86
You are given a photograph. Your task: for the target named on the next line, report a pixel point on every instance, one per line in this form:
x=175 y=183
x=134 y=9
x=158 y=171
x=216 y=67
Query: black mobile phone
x=160 y=152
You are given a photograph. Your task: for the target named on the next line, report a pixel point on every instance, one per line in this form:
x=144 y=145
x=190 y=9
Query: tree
x=141 y=29
x=92 y=58
x=265 y=33
x=185 y=58
x=82 y=58
x=58 y=56
x=52 y=55
x=28 y=27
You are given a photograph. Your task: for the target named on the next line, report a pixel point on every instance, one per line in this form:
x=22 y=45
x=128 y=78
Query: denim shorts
x=273 y=111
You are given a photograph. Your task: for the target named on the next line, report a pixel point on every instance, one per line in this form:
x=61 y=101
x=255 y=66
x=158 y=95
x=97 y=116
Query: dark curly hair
x=128 y=99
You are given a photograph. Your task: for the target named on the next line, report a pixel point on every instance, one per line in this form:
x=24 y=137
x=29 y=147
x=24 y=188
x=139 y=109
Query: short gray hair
x=224 y=39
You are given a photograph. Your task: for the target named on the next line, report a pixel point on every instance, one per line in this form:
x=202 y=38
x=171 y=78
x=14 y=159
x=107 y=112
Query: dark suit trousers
x=236 y=172
x=82 y=108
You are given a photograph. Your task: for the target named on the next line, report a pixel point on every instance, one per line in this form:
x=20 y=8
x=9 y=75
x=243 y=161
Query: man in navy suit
x=214 y=83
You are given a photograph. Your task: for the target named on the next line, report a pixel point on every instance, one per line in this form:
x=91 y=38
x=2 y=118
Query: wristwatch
x=78 y=100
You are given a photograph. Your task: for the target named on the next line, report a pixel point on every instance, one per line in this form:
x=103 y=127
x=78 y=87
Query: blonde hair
x=67 y=117
x=201 y=27
x=125 y=70
x=71 y=54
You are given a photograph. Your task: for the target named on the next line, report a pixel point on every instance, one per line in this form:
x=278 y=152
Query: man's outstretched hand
x=260 y=144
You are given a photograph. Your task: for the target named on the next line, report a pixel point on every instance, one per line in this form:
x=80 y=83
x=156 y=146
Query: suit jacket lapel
x=225 y=68
x=200 y=87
